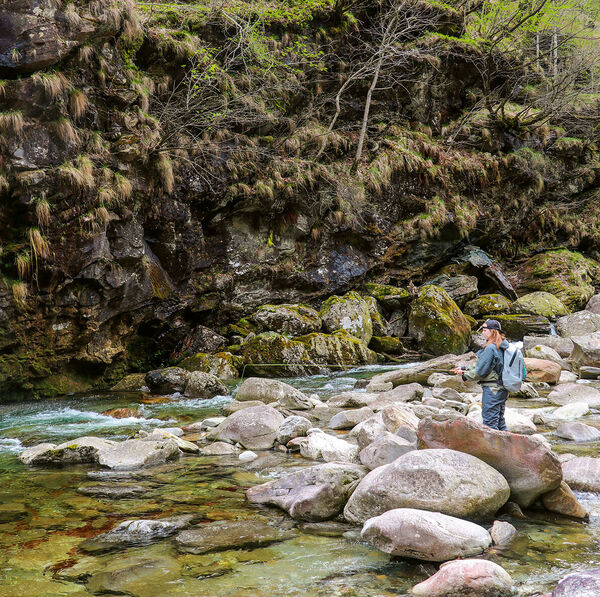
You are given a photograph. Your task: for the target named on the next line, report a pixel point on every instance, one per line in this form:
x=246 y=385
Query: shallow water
x=43 y=518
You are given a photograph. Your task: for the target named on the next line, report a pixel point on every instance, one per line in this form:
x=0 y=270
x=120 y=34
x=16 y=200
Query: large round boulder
x=530 y=467
x=255 y=428
x=542 y=370
x=487 y=305
x=339 y=348
x=167 y=381
x=444 y=481
x=429 y=536
x=391 y=298
x=578 y=324
x=223 y=365
x=582 y=473
x=467 y=578
x=565 y=274
x=267 y=390
x=314 y=493
x=204 y=385
x=293 y=320
x=586 y=350
x=570 y=393
x=540 y=303
x=516 y=327
x=350 y=313
x=437 y=323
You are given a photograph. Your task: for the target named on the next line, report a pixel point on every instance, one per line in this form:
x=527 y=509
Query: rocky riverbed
x=267 y=489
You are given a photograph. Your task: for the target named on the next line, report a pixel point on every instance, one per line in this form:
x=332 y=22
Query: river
x=44 y=518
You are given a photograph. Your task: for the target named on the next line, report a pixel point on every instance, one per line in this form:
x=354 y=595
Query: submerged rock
x=136 y=532
x=429 y=536
x=437 y=323
x=530 y=467
x=579 y=584
x=224 y=534
x=444 y=481
x=467 y=578
x=315 y=493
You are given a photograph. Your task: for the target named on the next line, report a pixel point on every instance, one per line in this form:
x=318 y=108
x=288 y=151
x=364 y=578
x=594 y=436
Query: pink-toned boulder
x=542 y=370
x=466 y=578
x=530 y=467
x=582 y=473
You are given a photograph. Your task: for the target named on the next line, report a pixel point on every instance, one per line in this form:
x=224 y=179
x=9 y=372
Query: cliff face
x=126 y=221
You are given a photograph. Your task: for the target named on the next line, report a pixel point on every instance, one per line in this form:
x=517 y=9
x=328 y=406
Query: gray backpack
x=513 y=372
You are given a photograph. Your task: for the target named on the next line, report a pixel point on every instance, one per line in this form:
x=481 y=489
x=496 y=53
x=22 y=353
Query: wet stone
x=113 y=492
x=224 y=535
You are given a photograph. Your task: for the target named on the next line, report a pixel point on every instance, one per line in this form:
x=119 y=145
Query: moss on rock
x=390 y=297
x=130 y=383
x=516 y=327
x=339 y=348
x=567 y=275
x=223 y=365
x=540 y=303
x=386 y=344
x=293 y=320
x=487 y=304
x=349 y=313
x=437 y=323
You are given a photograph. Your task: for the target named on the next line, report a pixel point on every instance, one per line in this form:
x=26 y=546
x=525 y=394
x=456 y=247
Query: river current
x=44 y=518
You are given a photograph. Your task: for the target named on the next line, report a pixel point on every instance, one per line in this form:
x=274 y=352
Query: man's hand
x=458 y=371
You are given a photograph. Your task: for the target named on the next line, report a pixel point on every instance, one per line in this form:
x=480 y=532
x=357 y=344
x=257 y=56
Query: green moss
x=339 y=348
x=437 y=322
x=540 y=303
x=60 y=384
x=381 y=291
x=222 y=364
x=386 y=344
x=517 y=326
x=487 y=304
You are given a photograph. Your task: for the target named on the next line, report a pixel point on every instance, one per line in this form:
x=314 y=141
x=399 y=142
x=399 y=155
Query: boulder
x=593 y=304
x=294 y=426
x=586 y=372
x=236 y=405
x=487 y=305
x=318 y=444
x=444 y=481
x=578 y=432
x=467 y=578
x=581 y=323
x=167 y=381
x=568 y=412
x=347 y=419
x=516 y=327
x=131 y=383
x=265 y=390
x=387 y=345
x=137 y=453
x=459 y=288
x=391 y=298
x=223 y=365
x=398 y=324
x=339 y=348
x=400 y=421
x=255 y=428
x=563 y=501
x=75 y=451
x=437 y=323
x=229 y=534
x=545 y=353
x=516 y=422
x=292 y=320
x=530 y=467
x=563 y=346
x=136 y=532
x=380 y=326
x=367 y=431
x=423 y=535
x=403 y=393
x=204 y=385
x=353 y=400
x=314 y=493
x=540 y=303
x=582 y=473
x=384 y=449
x=453 y=382
x=262 y=350
x=541 y=370
x=565 y=274
x=182 y=444
x=420 y=372
x=219 y=449
x=579 y=584
x=568 y=393
x=350 y=313
x=586 y=351
x=502 y=532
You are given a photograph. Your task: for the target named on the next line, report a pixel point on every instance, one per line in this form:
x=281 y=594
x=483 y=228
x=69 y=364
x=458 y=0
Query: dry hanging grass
x=4 y=186
x=78 y=175
x=85 y=54
x=103 y=216
x=20 y=294
x=12 y=122
x=39 y=245
x=164 y=166
x=122 y=186
x=54 y=84
x=65 y=131
x=78 y=103
x=43 y=211
x=23 y=263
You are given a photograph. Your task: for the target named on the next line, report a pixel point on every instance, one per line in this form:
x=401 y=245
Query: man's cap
x=492 y=324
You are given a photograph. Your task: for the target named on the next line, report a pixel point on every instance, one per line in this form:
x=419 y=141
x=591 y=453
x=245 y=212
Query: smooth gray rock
x=254 y=428
x=347 y=419
x=320 y=445
x=294 y=426
x=578 y=324
x=443 y=481
x=219 y=449
x=569 y=393
x=315 y=493
x=268 y=390
x=385 y=449
x=132 y=454
x=582 y=473
x=586 y=350
x=502 y=532
x=75 y=451
x=204 y=385
x=429 y=536
x=563 y=346
x=578 y=432
x=167 y=381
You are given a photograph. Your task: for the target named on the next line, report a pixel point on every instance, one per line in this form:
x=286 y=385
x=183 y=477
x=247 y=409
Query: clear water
x=43 y=518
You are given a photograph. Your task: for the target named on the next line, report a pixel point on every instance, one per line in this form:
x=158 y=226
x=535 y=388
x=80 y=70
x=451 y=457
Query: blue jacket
x=488 y=368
